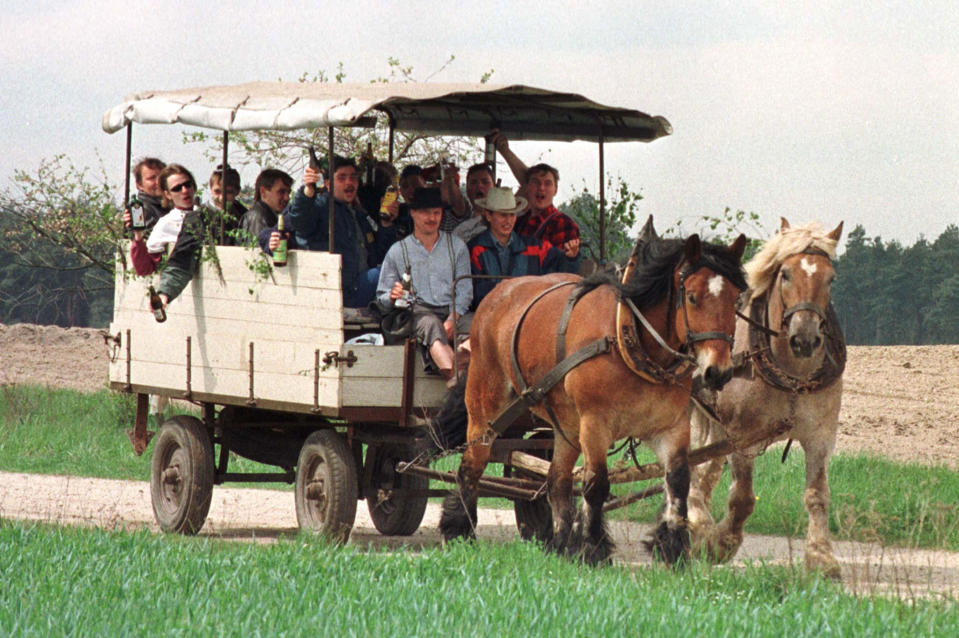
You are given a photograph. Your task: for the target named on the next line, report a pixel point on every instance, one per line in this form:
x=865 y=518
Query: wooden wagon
x=268 y=358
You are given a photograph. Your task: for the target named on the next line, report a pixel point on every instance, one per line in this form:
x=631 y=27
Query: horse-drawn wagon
x=267 y=358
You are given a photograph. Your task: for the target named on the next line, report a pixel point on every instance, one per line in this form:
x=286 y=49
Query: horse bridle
x=791 y=310
x=802 y=305
x=693 y=337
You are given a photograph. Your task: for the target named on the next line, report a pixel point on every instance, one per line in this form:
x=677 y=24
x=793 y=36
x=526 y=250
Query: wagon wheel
x=534 y=519
x=326 y=486
x=181 y=475
x=395 y=515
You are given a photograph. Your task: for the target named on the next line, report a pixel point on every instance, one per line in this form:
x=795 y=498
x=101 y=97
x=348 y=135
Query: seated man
x=538 y=184
x=361 y=242
x=434 y=258
x=271 y=195
x=224 y=229
x=479 y=180
x=501 y=251
x=181 y=228
x=146 y=174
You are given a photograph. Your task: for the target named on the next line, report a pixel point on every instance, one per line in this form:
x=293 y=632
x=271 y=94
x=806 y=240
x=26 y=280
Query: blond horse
x=789 y=386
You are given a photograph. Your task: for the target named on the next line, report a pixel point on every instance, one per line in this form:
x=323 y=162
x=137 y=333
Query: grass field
x=67 y=432
x=63 y=581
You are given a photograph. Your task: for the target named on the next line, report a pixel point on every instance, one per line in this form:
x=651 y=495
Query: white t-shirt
x=166 y=231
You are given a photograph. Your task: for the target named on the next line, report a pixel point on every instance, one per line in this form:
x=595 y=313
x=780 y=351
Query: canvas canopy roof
x=522 y=112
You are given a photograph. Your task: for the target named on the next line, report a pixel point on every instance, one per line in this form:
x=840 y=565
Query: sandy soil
x=900 y=402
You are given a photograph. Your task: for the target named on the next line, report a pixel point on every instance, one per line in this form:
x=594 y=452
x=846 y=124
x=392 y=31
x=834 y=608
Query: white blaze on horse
x=601 y=361
x=788 y=385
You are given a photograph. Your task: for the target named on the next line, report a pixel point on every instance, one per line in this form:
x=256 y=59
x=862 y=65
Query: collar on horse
x=758 y=356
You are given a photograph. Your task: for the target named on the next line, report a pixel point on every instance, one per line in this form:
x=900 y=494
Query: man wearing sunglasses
x=181 y=228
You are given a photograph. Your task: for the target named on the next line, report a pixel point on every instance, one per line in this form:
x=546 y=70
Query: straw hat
x=502 y=200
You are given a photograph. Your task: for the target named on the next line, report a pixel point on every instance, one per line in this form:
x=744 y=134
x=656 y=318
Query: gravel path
x=258 y=515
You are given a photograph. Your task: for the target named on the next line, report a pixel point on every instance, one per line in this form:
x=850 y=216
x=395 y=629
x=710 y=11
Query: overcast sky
x=845 y=110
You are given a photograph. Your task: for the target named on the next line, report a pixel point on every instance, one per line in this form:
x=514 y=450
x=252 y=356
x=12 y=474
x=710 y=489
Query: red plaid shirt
x=558 y=228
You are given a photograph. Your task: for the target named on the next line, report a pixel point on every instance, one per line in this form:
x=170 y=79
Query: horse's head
x=707 y=283
x=802 y=291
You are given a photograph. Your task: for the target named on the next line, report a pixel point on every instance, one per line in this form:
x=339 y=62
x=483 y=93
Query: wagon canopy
x=522 y=112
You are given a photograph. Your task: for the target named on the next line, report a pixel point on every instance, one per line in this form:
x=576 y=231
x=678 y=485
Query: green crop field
x=62 y=581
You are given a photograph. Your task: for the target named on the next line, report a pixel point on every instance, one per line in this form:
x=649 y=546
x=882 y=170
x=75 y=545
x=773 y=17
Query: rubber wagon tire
x=181 y=475
x=326 y=486
x=399 y=515
x=534 y=519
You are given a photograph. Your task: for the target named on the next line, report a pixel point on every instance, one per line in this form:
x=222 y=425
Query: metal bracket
x=333 y=358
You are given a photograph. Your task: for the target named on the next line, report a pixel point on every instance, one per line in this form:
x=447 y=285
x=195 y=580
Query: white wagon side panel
x=216 y=327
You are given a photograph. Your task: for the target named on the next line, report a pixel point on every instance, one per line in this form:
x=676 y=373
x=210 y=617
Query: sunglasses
x=180 y=187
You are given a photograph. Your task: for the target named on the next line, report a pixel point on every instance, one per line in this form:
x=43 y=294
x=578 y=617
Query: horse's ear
x=647 y=232
x=783 y=224
x=693 y=249
x=836 y=232
x=738 y=247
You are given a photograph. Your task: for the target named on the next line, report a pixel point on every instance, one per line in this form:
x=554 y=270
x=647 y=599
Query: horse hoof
x=824 y=563
x=455 y=521
x=598 y=554
x=668 y=545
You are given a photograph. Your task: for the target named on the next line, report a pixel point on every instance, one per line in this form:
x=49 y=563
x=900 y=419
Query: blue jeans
x=360 y=293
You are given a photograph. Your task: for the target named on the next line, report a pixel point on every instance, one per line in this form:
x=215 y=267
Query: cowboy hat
x=501 y=200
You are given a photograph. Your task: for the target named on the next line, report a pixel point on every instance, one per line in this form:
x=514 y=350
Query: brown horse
x=790 y=385
x=685 y=291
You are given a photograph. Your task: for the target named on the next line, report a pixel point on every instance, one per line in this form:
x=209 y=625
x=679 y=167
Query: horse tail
x=449 y=424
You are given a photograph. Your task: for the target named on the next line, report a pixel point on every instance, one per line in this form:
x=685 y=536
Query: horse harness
x=758 y=356
x=627 y=343
x=636 y=357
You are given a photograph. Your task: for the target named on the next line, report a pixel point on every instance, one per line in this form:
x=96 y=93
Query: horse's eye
x=787 y=276
x=691 y=297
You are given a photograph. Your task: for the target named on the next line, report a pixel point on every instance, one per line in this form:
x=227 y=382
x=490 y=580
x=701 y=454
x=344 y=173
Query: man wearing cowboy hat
x=434 y=258
x=501 y=251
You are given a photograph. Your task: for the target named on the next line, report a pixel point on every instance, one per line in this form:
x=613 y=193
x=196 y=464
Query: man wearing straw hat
x=500 y=251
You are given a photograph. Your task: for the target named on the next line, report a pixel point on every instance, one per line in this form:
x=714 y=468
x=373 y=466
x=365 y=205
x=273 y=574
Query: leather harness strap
x=528 y=396
x=758 y=356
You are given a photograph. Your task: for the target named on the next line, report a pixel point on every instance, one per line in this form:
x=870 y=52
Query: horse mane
x=761 y=269
x=657 y=260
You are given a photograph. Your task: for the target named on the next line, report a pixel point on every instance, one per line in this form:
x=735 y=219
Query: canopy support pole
x=329 y=181
x=391 y=141
x=223 y=167
x=126 y=187
x=602 y=199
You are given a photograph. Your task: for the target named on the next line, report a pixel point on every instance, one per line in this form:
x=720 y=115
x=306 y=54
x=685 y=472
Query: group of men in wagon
x=439 y=233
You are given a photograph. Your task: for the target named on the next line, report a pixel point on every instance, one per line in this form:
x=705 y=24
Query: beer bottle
x=389 y=197
x=138 y=219
x=317 y=166
x=406 y=299
x=368 y=162
x=156 y=305
x=279 y=253
x=490 y=155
